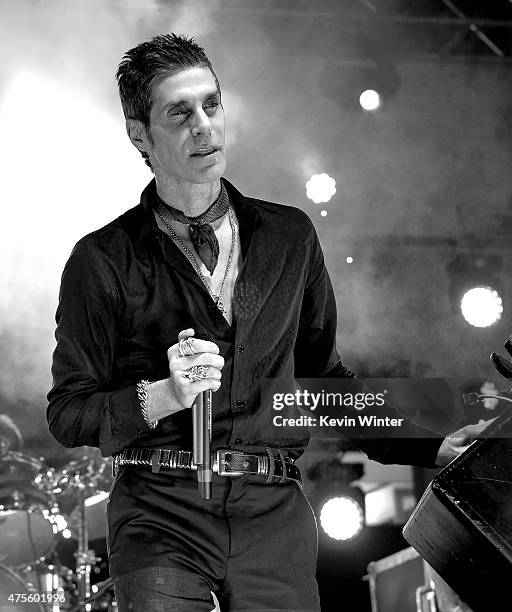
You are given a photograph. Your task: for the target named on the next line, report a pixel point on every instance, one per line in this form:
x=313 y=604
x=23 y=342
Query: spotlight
x=481 y=306
x=370 y=100
x=320 y=188
x=362 y=84
x=342 y=517
x=338 y=504
x=476 y=289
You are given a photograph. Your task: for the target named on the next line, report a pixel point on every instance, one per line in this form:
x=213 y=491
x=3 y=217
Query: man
x=196 y=256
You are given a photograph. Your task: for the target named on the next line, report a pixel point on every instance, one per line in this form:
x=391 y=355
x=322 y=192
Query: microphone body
x=202 y=436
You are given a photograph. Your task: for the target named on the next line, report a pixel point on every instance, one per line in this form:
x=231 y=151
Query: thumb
x=461 y=444
x=186 y=333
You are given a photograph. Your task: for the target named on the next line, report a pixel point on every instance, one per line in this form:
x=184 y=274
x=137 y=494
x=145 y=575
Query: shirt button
x=240 y=404
x=238 y=441
x=240 y=348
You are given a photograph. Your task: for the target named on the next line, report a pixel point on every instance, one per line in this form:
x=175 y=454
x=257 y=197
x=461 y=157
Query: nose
x=201 y=124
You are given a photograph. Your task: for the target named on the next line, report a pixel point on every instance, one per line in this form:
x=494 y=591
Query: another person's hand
x=177 y=392
x=457 y=442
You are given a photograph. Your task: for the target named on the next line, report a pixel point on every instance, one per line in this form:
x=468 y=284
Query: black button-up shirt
x=127 y=291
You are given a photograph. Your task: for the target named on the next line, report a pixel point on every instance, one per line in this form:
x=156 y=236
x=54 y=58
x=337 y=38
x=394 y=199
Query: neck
x=191 y=198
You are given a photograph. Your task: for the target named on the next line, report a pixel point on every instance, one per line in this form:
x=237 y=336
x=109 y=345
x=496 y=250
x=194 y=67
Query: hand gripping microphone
x=202 y=437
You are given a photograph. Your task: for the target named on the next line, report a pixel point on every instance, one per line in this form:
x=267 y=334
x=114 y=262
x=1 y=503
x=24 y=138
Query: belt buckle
x=222 y=463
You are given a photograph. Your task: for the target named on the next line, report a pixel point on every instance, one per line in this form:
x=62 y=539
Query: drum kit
x=41 y=507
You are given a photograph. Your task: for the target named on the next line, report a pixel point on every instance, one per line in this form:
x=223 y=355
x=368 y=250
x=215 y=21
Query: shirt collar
x=214 y=212
x=247 y=214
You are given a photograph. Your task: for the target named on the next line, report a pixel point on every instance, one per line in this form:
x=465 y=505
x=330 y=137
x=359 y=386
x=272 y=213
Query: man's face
x=187 y=128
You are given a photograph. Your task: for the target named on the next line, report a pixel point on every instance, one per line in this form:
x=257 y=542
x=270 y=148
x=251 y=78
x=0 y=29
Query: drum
x=79 y=479
x=17 y=482
x=14 y=595
x=54 y=583
x=95 y=516
x=26 y=532
x=24 y=537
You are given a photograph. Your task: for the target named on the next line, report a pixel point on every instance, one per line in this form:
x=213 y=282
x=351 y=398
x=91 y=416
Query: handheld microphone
x=202 y=430
x=202 y=437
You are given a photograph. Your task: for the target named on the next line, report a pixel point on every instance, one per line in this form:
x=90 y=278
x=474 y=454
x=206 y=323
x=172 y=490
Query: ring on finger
x=198 y=372
x=186 y=348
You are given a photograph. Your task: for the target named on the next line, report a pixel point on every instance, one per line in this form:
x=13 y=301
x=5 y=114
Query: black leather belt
x=274 y=465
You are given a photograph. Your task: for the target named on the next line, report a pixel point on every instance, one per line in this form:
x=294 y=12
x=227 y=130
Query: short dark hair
x=149 y=61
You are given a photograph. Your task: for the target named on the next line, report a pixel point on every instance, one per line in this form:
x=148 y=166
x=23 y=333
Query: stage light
x=365 y=84
x=66 y=534
x=338 y=504
x=349 y=260
x=320 y=188
x=476 y=288
x=342 y=518
x=370 y=100
x=481 y=306
x=323 y=213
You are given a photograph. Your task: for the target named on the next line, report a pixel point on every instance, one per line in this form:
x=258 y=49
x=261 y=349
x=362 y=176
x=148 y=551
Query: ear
x=138 y=134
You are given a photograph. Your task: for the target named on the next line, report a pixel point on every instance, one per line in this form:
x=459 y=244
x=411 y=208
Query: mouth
x=204 y=151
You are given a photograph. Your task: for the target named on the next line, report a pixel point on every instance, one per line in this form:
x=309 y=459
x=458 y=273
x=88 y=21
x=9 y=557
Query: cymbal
x=17 y=474
x=10 y=436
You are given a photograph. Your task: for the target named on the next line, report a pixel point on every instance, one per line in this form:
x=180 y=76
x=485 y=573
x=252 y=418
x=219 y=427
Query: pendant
x=220 y=306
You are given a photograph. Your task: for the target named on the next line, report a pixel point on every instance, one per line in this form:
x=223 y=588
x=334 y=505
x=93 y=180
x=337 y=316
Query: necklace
x=217 y=298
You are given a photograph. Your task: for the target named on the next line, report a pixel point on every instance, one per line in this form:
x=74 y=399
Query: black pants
x=254 y=545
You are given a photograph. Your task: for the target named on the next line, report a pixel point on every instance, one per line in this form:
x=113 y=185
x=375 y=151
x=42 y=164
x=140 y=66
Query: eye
x=211 y=107
x=179 y=112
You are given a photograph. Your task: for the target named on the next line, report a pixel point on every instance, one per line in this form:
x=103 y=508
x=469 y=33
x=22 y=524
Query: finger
x=199 y=346
x=483 y=425
x=211 y=372
x=207 y=359
x=203 y=385
x=474 y=431
x=186 y=333
x=466 y=432
x=205 y=346
x=459 y=442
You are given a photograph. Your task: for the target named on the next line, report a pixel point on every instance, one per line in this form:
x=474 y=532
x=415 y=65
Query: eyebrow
x=208 y=96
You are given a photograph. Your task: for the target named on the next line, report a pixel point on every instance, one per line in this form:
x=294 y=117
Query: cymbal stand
x=85 y=557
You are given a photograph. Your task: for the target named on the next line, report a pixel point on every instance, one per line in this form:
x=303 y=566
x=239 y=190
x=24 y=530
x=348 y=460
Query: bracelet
x=142 y=394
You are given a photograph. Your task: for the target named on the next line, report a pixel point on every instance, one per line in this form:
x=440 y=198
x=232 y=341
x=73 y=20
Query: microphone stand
x=202 y=437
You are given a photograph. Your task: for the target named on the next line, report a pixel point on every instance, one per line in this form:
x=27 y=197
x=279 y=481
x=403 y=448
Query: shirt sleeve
x=84 y=406
x=316 y=356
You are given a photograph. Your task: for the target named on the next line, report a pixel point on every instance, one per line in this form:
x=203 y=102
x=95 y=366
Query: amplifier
x=404 y=582
x=462 y=526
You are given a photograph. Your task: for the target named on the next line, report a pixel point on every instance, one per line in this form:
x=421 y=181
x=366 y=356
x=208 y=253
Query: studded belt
x=274 y=465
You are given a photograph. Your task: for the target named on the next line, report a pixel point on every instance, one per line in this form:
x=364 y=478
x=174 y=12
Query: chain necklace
x=216 y=298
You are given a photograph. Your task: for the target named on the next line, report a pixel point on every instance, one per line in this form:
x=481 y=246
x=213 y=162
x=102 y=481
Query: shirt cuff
x=126 y=421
